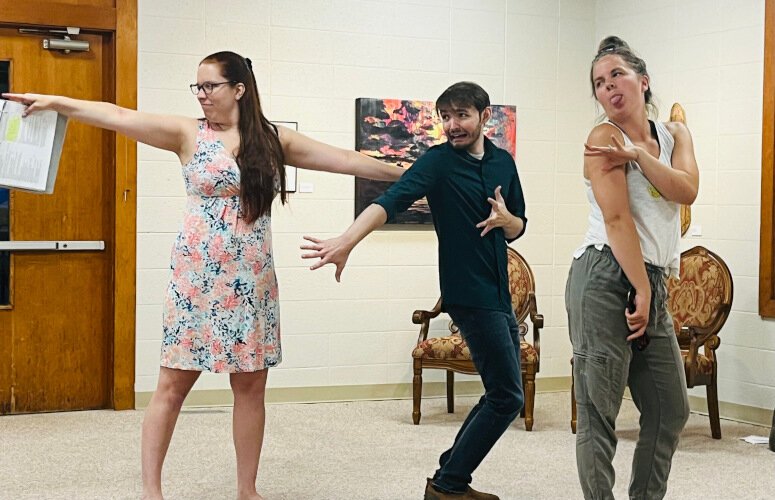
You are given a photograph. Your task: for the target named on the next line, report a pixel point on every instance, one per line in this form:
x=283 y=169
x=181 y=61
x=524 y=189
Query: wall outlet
x=696 y=231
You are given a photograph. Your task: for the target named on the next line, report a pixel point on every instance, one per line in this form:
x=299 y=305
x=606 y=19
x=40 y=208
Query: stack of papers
x=30 y=147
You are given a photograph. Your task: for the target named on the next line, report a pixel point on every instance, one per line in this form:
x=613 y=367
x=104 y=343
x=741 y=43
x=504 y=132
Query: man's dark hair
x=464 y=94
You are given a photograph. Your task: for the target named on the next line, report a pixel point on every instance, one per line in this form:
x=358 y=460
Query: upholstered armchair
x=699 y=301
x=451 y=353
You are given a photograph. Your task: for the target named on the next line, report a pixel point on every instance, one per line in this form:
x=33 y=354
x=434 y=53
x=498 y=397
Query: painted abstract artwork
x=400 y=131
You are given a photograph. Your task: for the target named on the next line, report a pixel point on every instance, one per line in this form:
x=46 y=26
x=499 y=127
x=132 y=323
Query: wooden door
x=56 y=338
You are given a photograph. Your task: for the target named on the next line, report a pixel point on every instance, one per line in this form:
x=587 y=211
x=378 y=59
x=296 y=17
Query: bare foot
x=152 y=496
x=249 y=496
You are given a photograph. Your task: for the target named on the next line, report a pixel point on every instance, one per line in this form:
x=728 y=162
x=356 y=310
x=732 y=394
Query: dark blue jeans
x=493 y=338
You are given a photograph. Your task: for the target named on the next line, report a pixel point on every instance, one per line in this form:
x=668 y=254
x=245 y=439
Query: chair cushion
x=705 y=366
x=453 y=347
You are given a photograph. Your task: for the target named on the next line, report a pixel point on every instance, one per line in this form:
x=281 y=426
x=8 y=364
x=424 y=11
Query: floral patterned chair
x=699 y=301
x=451 y=353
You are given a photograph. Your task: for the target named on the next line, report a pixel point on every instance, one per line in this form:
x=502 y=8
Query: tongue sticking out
x=616 y=99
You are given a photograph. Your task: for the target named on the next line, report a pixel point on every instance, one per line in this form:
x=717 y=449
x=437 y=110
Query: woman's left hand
x=616 y=154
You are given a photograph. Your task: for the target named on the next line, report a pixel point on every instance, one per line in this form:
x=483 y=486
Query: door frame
x=121 y=22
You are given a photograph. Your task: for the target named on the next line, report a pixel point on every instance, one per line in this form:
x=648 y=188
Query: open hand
x=332 y=251
x=499 y=214
x=616 y=154
x=34 y=102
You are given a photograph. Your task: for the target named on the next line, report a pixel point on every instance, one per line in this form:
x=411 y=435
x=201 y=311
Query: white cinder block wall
x=312 y=58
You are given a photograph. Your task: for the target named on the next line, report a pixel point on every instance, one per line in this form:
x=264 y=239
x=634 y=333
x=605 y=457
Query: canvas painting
x=400 y=131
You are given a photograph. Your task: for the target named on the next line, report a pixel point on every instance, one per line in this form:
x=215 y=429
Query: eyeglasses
x=208 y=87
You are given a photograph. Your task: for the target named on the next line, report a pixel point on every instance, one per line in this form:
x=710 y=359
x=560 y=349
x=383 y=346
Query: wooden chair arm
x=699 y=336
x=691 y=357
x=423 y=318
x=420 y=316
x=535 y=318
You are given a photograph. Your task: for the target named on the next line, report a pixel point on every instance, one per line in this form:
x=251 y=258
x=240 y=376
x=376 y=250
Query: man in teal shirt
x=477 y=205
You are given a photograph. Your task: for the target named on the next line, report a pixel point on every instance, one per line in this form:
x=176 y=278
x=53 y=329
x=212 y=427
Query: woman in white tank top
x=637 y=173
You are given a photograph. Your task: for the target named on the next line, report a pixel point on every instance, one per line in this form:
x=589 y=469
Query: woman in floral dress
x=221 y=312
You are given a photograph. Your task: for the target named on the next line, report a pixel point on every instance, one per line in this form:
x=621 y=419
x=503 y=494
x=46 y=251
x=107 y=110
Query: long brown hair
x=260 y=156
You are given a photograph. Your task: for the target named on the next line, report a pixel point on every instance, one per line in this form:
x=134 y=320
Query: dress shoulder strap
x=204 y=132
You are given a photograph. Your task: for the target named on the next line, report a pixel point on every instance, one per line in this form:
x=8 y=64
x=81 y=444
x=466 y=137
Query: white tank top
x=657 y=220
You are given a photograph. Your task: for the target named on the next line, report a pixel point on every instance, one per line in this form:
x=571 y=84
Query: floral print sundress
x=222 y=312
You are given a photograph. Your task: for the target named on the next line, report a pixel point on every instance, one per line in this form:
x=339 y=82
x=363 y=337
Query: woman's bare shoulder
x=600 y=135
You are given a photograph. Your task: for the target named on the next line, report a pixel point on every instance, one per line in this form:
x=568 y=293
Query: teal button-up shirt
x=472 y=269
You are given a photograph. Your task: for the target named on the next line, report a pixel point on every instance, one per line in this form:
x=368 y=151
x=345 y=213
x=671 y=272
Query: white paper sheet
x=756 y=439
x=30 y=147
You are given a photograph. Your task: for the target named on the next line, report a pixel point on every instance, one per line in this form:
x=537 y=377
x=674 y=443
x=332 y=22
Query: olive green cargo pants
x=604 y=363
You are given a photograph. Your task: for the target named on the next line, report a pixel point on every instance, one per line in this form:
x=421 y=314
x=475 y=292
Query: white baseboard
x=223 y=397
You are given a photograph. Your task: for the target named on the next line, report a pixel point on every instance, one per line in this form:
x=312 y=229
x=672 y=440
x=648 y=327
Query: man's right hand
x=332 y=251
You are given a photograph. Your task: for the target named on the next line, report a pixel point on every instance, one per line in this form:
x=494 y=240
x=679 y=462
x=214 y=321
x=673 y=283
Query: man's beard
x=472 y=138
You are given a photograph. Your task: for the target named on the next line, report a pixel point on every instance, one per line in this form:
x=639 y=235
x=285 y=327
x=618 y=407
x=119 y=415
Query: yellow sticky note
x=12 y=132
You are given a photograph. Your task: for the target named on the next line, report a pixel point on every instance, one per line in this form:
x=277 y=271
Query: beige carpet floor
x=361 y=450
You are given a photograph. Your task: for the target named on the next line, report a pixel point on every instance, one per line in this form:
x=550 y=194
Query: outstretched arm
x=678 y=184
x=337 y=250
x=304 y=152
x=172 y=133
x=609 y=186
x=414 y=185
